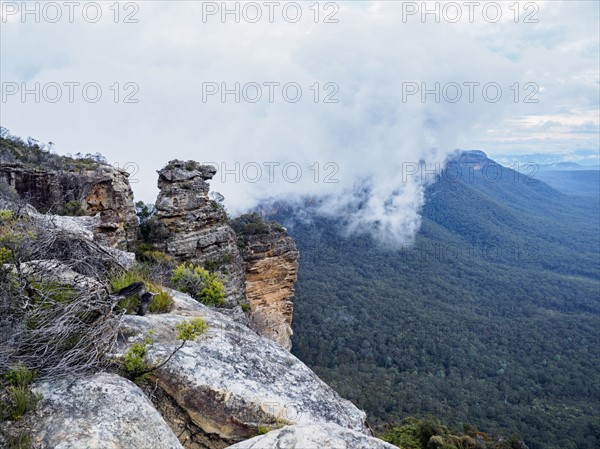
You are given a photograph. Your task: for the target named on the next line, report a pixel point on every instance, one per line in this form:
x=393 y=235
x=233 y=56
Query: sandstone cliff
x=197 y=226
x=257 y=260
x=95 y=189
x=271 y=270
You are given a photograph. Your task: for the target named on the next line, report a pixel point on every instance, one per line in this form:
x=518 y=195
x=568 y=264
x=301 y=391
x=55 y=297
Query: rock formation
x=262 y=273
x=103 y=411
x=197 y=226
x=99 y=189
x=271 y=270
x=232 y=380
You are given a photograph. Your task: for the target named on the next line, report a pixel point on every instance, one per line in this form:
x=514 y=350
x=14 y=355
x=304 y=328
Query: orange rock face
x=271 y=270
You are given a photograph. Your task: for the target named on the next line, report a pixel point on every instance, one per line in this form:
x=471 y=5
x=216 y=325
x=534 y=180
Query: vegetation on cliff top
x=35 y=154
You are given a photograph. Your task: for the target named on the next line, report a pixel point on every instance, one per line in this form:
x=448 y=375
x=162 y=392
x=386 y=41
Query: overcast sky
x=361 y=67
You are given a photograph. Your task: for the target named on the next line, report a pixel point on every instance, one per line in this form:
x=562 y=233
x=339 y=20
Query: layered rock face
x=257 y=260
x=232 y=381
x=271 y=260
x=198 y=228
x=103 y=411
x=103 y=190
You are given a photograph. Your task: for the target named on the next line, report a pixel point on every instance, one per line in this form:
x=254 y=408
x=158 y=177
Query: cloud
x=365 y=142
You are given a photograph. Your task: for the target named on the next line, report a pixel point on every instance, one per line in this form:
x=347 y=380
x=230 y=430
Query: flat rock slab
x=104 y=411
x=231 y=380
x=314 y=436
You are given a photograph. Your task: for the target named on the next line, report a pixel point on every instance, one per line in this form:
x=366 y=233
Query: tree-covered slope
x=490 y=318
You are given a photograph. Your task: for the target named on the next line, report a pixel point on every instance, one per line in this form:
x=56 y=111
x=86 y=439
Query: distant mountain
x=563 y=166
x=491 y=318
x=576 y=182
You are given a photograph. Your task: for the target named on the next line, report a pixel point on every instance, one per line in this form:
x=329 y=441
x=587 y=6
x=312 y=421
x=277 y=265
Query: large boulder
x=313 y=436
x=232 y=380
x=103 y=411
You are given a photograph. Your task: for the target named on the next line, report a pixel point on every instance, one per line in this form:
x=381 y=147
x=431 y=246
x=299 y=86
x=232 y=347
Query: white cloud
x=368 y=134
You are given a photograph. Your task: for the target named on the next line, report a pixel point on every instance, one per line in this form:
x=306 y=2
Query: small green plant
x=22 y=400
x=155 y=256
x=190 y=330
x=134 y=366
x=277 y=423
x=202 y=285
x=20 y=397
x=245 y=307
x=6 y=255
x=20 y=441
x=73 y=208
x=263 y=429
x=20 y=375
x=6 y=215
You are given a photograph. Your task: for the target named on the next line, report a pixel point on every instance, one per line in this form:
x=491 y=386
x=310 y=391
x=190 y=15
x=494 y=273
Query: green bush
x=6 y=255
x=199 y=283
x=251 y=224
x=189 y=330
x=20 y=375
x=6 y=215
x=133 y=365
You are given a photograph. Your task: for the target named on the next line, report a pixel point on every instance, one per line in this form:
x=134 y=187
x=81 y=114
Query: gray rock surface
x=313 y=436
x=104 y=411
x=232 y=380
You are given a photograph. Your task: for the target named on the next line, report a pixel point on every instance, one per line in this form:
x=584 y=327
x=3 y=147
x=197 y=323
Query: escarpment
x=271 y=260
x=234 y=382
x=93 y=189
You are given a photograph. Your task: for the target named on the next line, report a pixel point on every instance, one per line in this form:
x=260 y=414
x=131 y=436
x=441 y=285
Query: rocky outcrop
x=314 y=436
x=109 y=194
x=271 y=259
x=99 y=189
x=231 y=381
x=104 y=411
x=72 y=240
x=197 y=226
x=262 y=273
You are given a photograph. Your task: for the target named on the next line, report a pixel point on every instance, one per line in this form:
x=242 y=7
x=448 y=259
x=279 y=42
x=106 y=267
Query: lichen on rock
x=103 y=411
x=232 y=380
